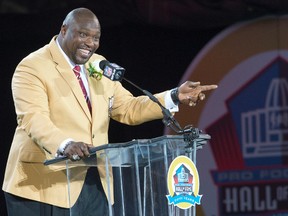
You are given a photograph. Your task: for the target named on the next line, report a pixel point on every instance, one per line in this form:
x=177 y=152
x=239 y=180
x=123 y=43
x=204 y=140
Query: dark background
x=155 y=41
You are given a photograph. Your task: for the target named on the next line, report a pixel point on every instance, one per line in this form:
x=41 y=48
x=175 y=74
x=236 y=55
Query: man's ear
x=63 y=30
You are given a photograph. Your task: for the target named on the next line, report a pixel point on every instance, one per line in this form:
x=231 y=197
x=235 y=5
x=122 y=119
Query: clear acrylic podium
x=140 y=170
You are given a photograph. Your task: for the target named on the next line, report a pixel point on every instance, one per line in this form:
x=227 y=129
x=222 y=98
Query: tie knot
x=77 y=69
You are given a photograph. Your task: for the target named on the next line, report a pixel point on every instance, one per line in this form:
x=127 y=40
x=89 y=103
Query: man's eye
x=82 y=34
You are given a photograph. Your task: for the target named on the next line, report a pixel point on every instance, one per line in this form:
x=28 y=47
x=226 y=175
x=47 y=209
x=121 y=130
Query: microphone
x=115 y=72
x=112 y=71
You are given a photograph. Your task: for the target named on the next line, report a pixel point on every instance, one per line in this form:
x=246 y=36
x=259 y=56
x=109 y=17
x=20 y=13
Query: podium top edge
x=94 y=150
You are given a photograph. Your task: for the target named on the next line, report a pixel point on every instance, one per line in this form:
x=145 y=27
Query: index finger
x=208 y=87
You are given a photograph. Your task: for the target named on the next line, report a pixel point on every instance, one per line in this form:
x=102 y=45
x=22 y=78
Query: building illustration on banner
x=272 y=139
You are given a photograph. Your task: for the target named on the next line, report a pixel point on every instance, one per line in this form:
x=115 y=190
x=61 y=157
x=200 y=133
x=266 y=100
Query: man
x=54 y=118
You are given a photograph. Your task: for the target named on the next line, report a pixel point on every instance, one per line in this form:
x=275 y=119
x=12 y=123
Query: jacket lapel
x=66 y=72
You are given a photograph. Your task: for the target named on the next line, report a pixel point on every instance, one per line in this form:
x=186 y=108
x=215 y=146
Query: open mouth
x=84 y=53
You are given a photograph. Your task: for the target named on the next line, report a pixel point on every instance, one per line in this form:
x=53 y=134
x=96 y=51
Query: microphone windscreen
x=103 y=64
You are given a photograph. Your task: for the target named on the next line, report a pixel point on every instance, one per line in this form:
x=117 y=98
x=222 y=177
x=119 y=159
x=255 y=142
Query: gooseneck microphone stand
x=189 y=132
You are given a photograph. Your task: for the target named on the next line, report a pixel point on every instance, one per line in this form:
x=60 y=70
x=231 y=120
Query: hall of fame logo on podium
x=183 y=183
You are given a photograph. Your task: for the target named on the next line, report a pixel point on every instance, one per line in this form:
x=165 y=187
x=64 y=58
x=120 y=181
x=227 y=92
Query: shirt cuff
x=62 y=146
x=169 y=104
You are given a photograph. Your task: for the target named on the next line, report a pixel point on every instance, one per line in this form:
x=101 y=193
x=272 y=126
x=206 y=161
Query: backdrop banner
x=243 y=170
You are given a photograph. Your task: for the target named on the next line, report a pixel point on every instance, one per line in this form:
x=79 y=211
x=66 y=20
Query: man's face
x=81 y=39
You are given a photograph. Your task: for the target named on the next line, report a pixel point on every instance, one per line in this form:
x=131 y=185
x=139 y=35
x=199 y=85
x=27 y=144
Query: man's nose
x=89 y=41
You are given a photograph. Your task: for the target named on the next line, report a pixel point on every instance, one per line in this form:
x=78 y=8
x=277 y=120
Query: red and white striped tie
x=77 y=70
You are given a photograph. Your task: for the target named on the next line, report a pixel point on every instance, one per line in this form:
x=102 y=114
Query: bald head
x=80 y=35
x=78 y=14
